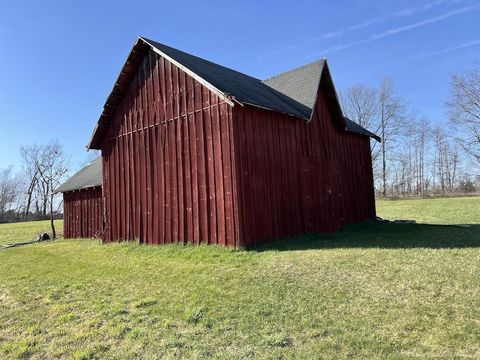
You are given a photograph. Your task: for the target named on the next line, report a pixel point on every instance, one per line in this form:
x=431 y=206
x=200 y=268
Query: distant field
x=371 y=291
x=27 y=231
x=462 y=210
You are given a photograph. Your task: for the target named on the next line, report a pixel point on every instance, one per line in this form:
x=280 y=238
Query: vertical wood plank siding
x=83 y=213
x=168 y=161
x=181 y=165
x=296 y=176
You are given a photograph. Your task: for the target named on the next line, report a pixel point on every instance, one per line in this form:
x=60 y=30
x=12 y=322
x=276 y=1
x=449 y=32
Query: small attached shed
x=195 y=152
x=83 y=203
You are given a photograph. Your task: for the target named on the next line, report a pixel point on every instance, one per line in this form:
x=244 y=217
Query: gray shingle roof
x=354 y=127
x=300 y=84
x=244 y=88
x=293 y=92
x=88 y=176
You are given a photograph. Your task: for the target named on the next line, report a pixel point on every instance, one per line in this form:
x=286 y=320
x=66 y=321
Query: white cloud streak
x=446 y=50
x=425 y=22
x=398 y=14
x=401 y=29
x=434 y=53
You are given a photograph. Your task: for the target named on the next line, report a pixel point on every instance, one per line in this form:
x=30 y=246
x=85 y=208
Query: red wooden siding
x=181 y=165
x=296 y=176
x=168 y=161
x=82 y=213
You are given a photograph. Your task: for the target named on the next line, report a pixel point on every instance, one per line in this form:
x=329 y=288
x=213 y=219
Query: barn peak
x=293 y=92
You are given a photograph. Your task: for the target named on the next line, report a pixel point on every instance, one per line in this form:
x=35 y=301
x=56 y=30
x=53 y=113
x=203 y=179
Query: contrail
x=401 y=29
x=401 y=13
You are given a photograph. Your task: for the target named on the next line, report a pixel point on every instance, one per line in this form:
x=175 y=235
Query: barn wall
x=298 y=176
x=82 y=213
x=168 y=161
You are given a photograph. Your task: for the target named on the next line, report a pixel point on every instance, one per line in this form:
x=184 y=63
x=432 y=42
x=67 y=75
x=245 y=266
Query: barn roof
x=354 y=127
x=300 y=84
x=88 y=176
x=241 y=87
x=293 y=92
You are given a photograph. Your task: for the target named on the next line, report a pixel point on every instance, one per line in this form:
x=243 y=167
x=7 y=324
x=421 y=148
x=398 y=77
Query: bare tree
x=43 y=193
x=453 y=160
x=464 y=110
x=414 y=158
x=408 y=163
x=92 y=155
x=446 y=161
x=417 y=133
x=391 y=116
x=438 y=163
x=381 y=111
x=30 y=157
x=52 y=168
x=360 y=104
x=399 y=179
x=9 y=187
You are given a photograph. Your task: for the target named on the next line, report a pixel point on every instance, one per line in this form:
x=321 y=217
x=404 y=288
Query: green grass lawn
x=27 y=231
x=370 y=291
x=462 y=210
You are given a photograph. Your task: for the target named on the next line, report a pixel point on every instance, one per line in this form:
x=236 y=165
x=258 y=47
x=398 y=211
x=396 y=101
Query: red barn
x=82 y=202
x=196 y=152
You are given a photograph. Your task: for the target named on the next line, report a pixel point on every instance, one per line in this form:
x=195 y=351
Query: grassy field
x=461 y=210
x=27 y=231
x=370 y=291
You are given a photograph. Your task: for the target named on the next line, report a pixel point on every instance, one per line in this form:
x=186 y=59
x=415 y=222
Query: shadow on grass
x=371 y=234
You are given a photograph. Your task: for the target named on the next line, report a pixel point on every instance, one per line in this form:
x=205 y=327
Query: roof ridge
x=199 y=58
x=319 y=61
x=235 y=86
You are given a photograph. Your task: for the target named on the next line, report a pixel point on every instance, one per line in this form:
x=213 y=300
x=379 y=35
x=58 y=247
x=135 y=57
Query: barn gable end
x=196 y=152
x=298 y=176
x=167 y=160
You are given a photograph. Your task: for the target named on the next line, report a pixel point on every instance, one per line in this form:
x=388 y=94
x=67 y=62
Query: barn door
x=322 y=197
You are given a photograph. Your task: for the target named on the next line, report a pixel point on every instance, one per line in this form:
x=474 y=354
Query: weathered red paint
x=167 y=161
x=181 y=165
x=83 y=213
x=297 y=177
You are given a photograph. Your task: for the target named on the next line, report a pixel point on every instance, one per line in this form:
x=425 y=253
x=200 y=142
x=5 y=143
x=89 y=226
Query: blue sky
x=59 y=59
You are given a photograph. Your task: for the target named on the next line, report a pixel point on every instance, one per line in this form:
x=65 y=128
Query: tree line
x=30 y=194
x=418 y=157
